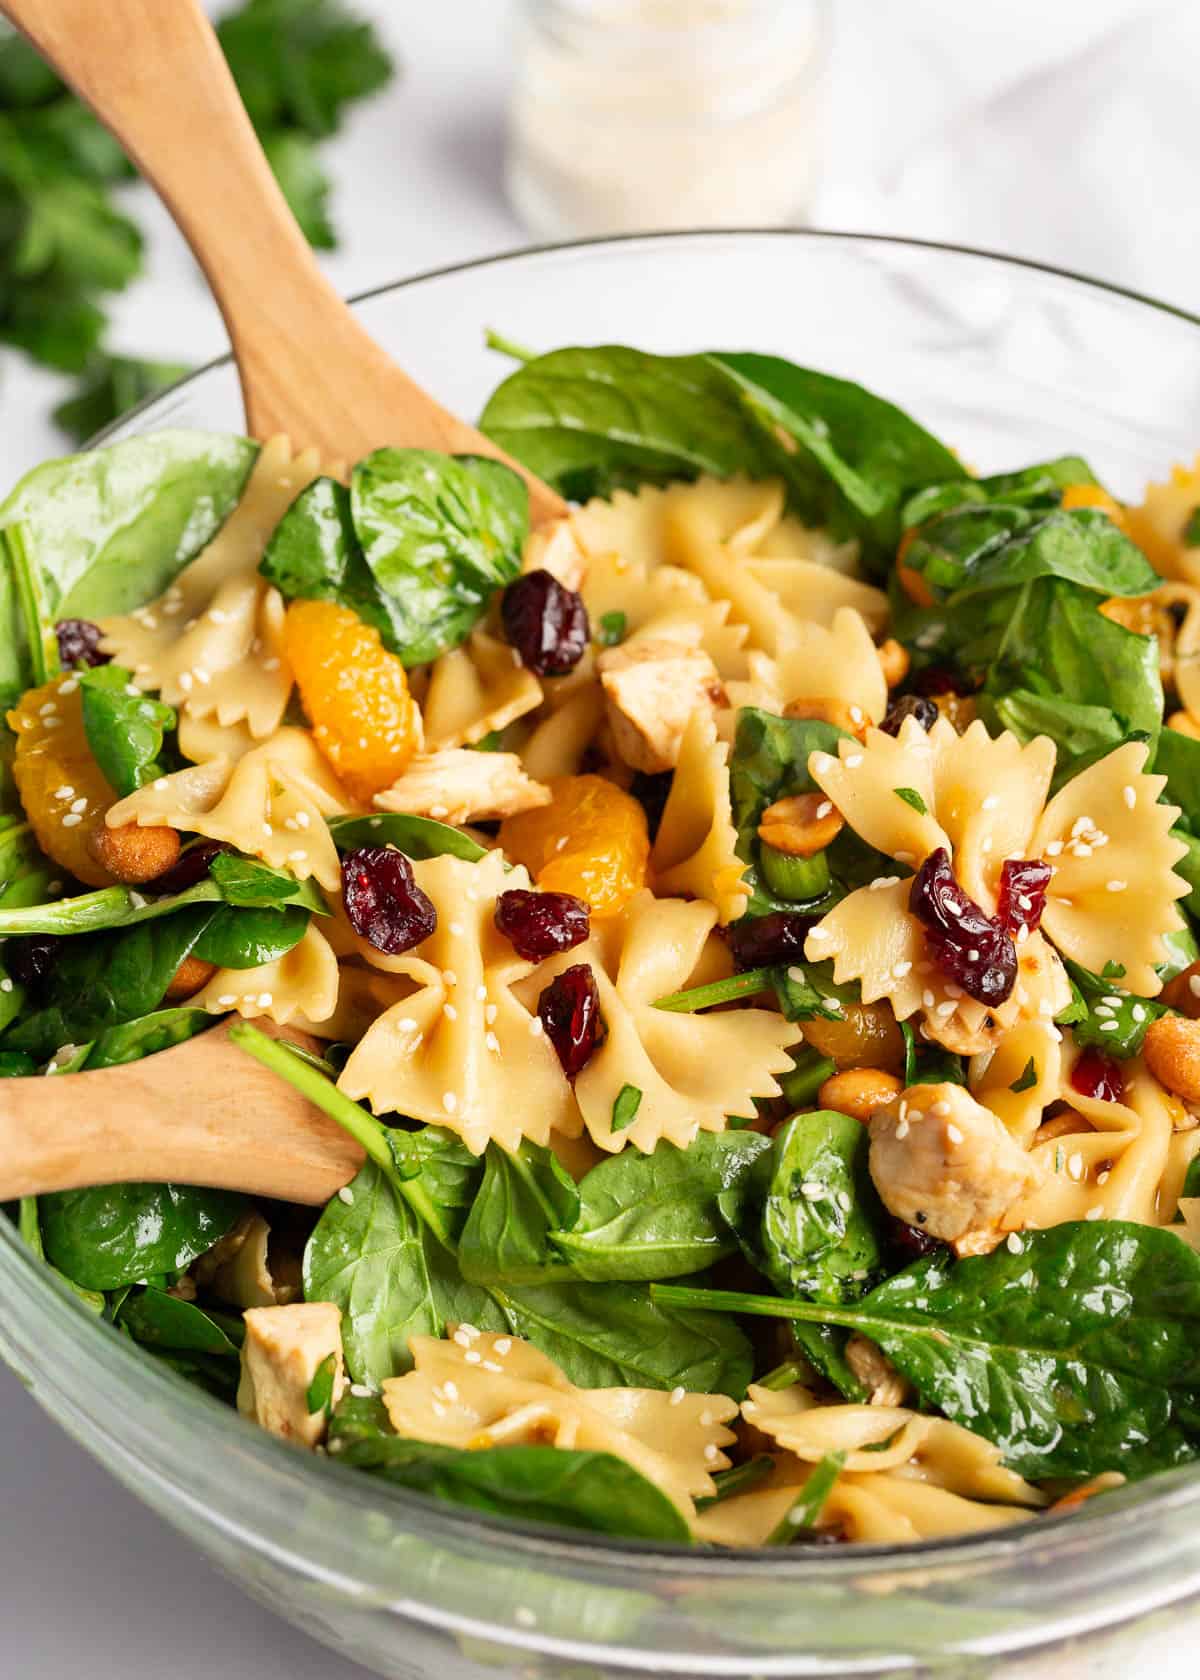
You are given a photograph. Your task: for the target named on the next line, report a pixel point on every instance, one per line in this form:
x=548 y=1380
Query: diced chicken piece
x=884 y=1384
x=238 y=1268
x=944 y=1163
x=461 y=785
x=285 y=1347
x=652 y=686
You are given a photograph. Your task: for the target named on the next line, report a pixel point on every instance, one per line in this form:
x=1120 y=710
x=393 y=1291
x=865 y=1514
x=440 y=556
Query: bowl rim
x=537 y=1541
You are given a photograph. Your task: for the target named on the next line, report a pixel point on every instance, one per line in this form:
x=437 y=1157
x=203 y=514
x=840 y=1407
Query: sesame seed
x=991 y=802
x=1129 y=795
x=954 y=1135
x=1138 y=1012
x=227 y=1000
x=79 y=806
x=460 y=1336
x=406 y=1024
x=6 y=984
x=928 y=999
x=361 y=1391
x=136 y=900
x=449 y=1011
x=186 y=681
x=1102 y=1178
x=853 y=761
x=437 y=1408
x=52 y=723
x=72 y=820
x=502 y=1345
x=457 y=928
x=1116 y=886
x=1109 y=1003
x=491 y=1011
x=844 y=1202
x=1108 y=1026
x=882 y=881
x=900 y=969
x=271 y=664
x=856 y=714
x=161 y=785
x=473 y=1358
x=302 y=819
x=1054 y=848
x=1013 y=1243
x=941 y=1109
x=535 y=1026
x=821 y=763
x=907 y=858
x=492 y=1043
x=676 y=1395
x=297 y=857
x=820 y=935
x=267 y=829
x=345 y=1194
x=493 y=1367
x=945 y=1010
x=711 y=1452
x=439 y=811
x=449 y=1101
x=812 y=1188
x=66 y=791
x=200 y=674
x=1075 y=1164
x=265 y=1000
x=48 y=710
x=68 y=687
x=824 y=808
x=450 y=1389
x=1095 y=1213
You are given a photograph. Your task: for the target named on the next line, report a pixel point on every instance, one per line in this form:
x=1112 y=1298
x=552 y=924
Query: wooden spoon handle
x=154 y=73
x=202 y=1113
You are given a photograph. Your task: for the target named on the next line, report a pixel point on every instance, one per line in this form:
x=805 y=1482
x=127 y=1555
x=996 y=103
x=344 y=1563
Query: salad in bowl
x=747 y=923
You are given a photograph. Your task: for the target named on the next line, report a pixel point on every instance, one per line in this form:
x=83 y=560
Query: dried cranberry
x=909 y=706
x=383 y=901
x=652 y=792
x=541 y=924
x=760 y=941
x=546 y=623
x=941 y=679
x=1023 y=883
x=30 y=960
x=1099 y=1076
x=79 y=643
x=569 y=1010
x=910 y=1242
x=972 y=949
x=190 y=866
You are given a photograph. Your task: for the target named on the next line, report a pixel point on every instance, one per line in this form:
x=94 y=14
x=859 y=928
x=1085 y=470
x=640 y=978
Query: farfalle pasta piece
x=302 y=985
x=1113 y=895
x=461 y=785
x=695 y=851
x=1116 y=1165
x=1160 y=524
x=474 y=690
x=201 y=740
x=477 y=1390
x=561 y=739
x=272 y=804
x=213 y=643
x=463 y=1051
x=1020 y=1077
x=838 y=663
x=693 y=1071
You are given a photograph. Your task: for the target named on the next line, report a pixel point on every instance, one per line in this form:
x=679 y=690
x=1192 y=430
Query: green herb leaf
x=1190 y=535
x=739 y=1478
x=299 y=63
x=625 y=1108
x=911 y=797
x=610 y=628
x=124 y=728
x=320 y=1390
x=1028 y=1079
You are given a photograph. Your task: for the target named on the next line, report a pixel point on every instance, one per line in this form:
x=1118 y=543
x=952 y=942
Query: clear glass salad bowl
x=1011 y=362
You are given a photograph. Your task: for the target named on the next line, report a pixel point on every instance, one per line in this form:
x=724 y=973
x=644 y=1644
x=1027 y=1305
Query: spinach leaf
x=104 y=980
x=643 y=1217
x=116 y=1234
x=1104 y=1016
x=821 y=1215
x=416 y=837
x=249 y=938
x=1041 y=484
x=157 y=1319
x=314 y=555
x=594 y=1491
x=614 y=1335
x=15 y=1064
x=30 y=1226
x=124 y=729
x=391 y=1278
x=146 y=1036
x=251 y=884
x=112 y=527
x=449 y=1176
x=1076 y=1352
x=991 y=546
x=524 y=1197
x=439 y=534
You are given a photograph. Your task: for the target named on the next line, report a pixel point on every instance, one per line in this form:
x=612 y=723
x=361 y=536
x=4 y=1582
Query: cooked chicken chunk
x=884 y=1384
x=945 y=1164
x=652 y=685
x=462 y=785
x=284 y=1349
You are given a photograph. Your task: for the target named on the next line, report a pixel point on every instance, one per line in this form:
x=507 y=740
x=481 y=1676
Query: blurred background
x=408 y=138
x=412 y=137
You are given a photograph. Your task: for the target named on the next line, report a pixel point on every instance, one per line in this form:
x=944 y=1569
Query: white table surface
x=1063 y=131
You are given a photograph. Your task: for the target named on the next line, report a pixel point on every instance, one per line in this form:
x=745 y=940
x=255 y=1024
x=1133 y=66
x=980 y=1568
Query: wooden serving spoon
x=202 y=1113
x=153 y=72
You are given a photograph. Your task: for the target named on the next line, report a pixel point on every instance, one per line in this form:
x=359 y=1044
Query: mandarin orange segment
x=356 y=696
x=591 y=840
x=62 y=788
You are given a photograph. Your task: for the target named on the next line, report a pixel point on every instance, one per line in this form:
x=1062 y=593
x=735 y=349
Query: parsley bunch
x=64 y=241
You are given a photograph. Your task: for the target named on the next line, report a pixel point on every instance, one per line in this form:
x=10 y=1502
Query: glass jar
x=630 y=115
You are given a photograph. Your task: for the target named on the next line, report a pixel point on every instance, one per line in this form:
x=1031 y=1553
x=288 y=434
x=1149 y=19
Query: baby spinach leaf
x=314 y=555
x=30 y=1226
x=416 y=837
x=1104 y=1016
x=1074 y=1353
x=997 y=545
x=24 y=871
x=1041 y=484
x=1177 y=757
x=594 y=1491
x=449 y=1175
x=249 y=938
x=251 y=884
x=105 y=979
x=524 y=1197
x=117 y=1234
x=158 y=1319
x=124 y=730
x=440 y=533
x=656 y=1216
x=146 y=1036
x=112 y=527
x=614 y=1335
x=391 y=1278
x=821 y=1215
x=15 y=1064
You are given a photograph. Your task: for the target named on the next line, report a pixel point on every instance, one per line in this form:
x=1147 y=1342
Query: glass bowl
x=1010 y=362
